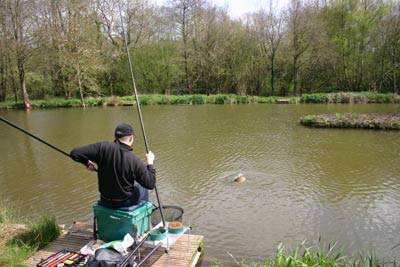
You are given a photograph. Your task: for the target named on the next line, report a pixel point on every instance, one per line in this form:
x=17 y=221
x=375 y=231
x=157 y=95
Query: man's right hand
x=90 y=166
x=150 y=158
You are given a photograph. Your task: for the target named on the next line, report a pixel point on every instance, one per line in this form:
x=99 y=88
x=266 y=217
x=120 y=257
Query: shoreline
x=219 y=99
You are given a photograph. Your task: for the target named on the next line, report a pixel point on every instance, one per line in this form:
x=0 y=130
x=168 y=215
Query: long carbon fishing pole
x=138 y=104
x=34 y=136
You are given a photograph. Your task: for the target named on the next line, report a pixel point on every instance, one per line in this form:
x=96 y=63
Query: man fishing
x=118 y=169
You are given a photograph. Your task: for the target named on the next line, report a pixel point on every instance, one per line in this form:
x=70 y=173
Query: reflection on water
x=302 y=183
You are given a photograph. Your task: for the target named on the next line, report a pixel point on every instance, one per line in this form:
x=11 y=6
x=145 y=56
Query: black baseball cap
x=123 y=130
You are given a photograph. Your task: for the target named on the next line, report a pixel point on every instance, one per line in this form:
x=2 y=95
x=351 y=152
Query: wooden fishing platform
x=283 y=101
x=187 y=251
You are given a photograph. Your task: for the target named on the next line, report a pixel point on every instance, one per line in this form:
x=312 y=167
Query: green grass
x=23 y=236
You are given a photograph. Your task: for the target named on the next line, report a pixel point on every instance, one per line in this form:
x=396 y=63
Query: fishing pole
x=138 y=104
x=34 y=136
x=37 y=138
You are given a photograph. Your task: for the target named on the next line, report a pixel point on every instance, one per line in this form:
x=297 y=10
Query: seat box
x=114 y=224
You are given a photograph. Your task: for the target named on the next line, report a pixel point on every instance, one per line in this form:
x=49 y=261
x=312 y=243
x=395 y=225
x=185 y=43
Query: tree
x=138 y=18
x=75 y=42
x=75 y=48
x=240 y=57
x=184 y=13
x=82 y=46
x=299 y=38
x=350 y=26
x=268 y=33
x=3 y=53
x=209 y=44
x=317 y=60
x=389 y=38
x=19 y=25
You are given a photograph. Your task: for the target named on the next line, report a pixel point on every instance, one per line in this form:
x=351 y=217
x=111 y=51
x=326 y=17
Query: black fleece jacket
x=118 y=168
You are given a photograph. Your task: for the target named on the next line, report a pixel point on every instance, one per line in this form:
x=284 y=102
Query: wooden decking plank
x=181 y=253
x=67 y=241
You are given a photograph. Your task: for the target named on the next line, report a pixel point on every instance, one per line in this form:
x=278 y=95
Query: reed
x=7 y=214
x=316 y=256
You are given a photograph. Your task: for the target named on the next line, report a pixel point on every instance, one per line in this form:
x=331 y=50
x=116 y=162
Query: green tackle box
x=111 y=224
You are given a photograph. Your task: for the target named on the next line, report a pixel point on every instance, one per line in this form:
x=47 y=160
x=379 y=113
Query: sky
x=237 y=8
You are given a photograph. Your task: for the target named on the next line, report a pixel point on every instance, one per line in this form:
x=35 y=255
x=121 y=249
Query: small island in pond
x=353 y=120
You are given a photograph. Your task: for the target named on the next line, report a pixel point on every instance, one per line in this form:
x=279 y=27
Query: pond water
x=319 y=186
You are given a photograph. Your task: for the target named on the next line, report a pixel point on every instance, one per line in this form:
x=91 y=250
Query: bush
x=242 y=99
x=95 y=102
x=197 y=99
x=146 y=100
x=112 y=101
x=314 y=98
x=380 y=98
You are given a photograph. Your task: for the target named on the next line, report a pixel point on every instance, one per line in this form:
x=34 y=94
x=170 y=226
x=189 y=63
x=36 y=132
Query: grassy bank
x=353 y=120
x=147 y=100
x=346 y=98
x=21 y=237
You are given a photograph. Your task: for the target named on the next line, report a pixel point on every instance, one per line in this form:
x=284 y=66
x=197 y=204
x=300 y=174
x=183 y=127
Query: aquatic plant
x=353 y=120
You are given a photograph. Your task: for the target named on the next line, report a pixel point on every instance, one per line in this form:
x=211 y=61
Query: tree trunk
x=273 y=73
x=81 y=92
x=25 y=97
x=395 y=64
x=396 y=91
x=12 y=78
x=67 y=93
x=295 y=71
x=185 y=48
x=3 y=82
x=14 y=86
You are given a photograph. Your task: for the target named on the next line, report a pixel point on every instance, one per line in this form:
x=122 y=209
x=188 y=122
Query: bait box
x=115 y=224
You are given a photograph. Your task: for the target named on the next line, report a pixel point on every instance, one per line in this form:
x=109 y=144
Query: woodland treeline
x=75 y=48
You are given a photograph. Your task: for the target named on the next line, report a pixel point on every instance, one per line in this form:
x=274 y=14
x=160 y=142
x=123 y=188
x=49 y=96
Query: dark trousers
x=140 y=195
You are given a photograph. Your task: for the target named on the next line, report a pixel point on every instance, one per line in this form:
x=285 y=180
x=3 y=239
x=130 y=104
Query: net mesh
x=171 y=213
